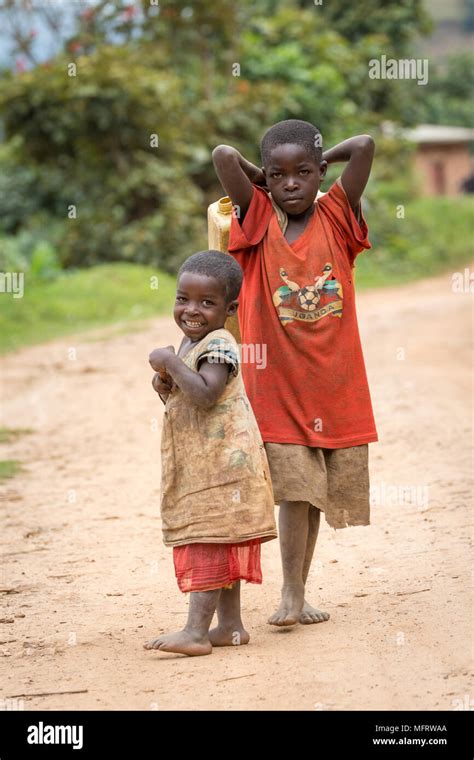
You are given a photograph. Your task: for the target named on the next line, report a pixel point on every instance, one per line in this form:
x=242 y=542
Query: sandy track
x=86 y=578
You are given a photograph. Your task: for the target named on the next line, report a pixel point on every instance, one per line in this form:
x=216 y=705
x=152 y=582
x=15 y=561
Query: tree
x=449 y=97
x=121 y=122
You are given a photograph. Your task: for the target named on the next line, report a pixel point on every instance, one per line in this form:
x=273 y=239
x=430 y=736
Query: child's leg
x=310 y=614
x=230 y=630
x=313 y=530
x=293 y=527
x=194 y=638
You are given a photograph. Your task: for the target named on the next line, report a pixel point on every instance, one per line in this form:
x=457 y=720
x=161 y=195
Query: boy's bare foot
x=291 y=606
x=310 y=615
x=225 y=637
x=181 y=642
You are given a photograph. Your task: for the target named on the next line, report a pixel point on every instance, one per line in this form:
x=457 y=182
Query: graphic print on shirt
x=308 y=303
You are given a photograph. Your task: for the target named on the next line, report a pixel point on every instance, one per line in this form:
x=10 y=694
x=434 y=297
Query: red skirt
x=205 y=567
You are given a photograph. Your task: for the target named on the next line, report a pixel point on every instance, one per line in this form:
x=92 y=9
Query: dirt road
x=86 y=578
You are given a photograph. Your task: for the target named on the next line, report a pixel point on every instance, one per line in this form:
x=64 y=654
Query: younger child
x=217 y=503
x=312 y=403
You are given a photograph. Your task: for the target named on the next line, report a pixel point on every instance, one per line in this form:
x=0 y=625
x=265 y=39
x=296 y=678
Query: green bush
x=435 y=234
x=19 y=195
x=83 y=299
x=35 y=249
x=12 y=258
x=44 y=262
x=84 y=140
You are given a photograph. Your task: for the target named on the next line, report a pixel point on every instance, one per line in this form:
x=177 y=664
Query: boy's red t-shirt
x=297 y=304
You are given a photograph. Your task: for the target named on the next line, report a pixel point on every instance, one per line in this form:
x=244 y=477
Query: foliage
x=419 y=244
x=108 y=145
x=451 y=91
x=396 y=21
x=83 y=299
x=88 y=141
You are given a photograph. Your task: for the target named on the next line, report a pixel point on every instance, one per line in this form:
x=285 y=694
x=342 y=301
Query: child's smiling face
x=293 y=177
x=201 y=305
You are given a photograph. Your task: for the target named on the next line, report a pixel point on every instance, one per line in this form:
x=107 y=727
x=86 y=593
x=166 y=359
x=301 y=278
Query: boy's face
x=200 y=305
x=293 y=177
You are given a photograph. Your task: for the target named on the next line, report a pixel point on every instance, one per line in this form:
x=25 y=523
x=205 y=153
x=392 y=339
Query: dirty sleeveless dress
x=217 y=503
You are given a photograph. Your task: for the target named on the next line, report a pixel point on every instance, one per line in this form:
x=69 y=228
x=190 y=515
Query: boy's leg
x=230 y=630
x=309 y=613
x=293 y=530
x=313 y=531
x=194 y=638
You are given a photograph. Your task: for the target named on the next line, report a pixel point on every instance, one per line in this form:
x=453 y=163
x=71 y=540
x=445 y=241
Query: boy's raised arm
x=359 y=152
x=236 y=176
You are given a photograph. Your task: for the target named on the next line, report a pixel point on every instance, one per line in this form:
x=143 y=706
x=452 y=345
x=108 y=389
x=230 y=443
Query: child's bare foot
x=289 y=611
x=225 y=637
x=310 y=615
x=181 y=642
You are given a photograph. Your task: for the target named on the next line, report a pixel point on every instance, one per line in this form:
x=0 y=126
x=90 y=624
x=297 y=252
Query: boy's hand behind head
x=259 y=178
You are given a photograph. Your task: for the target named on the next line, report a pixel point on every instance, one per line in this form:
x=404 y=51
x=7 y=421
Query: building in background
x=443 y=160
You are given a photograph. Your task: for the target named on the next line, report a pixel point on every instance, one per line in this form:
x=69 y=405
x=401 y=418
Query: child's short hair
x=292 y=131
x=225 y=269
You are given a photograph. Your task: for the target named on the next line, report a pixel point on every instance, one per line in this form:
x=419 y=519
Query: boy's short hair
x=223 y=267
x=292 y=131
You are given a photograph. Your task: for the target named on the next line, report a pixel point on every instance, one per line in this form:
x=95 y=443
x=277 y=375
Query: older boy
x=312 y=403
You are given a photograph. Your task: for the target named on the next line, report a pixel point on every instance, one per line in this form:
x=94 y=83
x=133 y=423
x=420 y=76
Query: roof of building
x=437 y=133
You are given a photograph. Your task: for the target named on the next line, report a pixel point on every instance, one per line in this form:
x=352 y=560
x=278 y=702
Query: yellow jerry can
x=219 y=215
